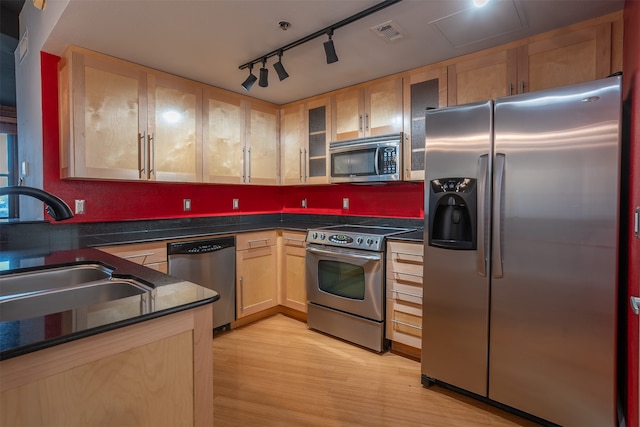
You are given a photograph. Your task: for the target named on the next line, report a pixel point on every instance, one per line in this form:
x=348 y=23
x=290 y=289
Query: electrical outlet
x=236 y=203
x=80 y=207
x=304 y=203
x=345 y=203
x=186 y=204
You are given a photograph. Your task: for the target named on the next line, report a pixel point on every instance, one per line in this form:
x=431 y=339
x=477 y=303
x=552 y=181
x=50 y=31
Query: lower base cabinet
x=256 y=272
x=152 y=373
x=404 y=294
x=293 y=252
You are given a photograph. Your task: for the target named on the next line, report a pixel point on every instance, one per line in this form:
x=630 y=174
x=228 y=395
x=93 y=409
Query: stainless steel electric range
x=345 y=282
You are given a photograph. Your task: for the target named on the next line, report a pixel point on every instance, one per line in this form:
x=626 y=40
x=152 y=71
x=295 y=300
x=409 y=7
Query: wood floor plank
x=277 y=372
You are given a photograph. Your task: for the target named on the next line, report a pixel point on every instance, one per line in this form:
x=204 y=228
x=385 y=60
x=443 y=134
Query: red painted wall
x=631 y=83
x=120 y=201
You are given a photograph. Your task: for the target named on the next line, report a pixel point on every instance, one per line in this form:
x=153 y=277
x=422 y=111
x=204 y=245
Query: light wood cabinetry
x=123 y=121
x=574 y=54
x=256 y=272
x=368 y=110
x=293 y=145
x=262 y=144
x=157 y=372
x=293 y=293
x=305 y=130
x=240 y=142
x=423 y=89
x=152 y=254
x=404 y=293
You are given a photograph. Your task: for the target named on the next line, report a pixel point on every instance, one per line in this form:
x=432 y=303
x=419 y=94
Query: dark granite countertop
x=18 y=337
x=411 y=236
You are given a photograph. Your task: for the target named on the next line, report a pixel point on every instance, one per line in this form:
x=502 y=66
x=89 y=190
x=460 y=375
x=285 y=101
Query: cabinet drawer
x=259 y=239
x=140 y=253
x=294 y=238
x=404 y=323
x=405 y=261
x=404 y=292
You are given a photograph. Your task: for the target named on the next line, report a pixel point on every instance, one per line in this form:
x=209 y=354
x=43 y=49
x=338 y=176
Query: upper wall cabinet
x=575 y=54
x=224 y=138
x=368 y=110
x=262 y=144
x=304 y=142
x=122 y=121
x=424 y=89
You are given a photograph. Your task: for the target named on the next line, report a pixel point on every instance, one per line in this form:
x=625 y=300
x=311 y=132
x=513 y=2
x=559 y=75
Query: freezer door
x=456 y=293
x=553 y=291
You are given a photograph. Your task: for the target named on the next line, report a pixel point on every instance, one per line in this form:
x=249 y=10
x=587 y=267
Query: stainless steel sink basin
x=50 y=278
x=80 y=296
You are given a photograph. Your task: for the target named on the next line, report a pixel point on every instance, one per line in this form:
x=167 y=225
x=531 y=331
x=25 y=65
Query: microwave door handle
x=377 y=162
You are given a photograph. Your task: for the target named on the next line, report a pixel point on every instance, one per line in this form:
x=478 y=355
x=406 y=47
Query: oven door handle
x=371 y=257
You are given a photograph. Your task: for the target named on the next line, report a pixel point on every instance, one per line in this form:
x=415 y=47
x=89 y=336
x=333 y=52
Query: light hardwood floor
x=276 y=372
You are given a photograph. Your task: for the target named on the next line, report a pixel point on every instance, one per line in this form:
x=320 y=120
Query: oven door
x=351 y=281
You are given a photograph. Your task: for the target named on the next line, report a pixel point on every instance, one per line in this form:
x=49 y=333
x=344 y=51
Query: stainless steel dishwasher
x=210 y=263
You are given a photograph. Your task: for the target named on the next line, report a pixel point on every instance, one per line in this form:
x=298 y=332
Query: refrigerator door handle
x=483 y=214
x=635 y=304
x=498 y=212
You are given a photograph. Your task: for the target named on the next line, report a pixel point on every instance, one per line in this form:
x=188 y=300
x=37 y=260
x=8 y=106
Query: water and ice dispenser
x=452 y=213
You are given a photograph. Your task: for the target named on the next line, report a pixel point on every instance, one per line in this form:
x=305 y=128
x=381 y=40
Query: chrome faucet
x=56 y=207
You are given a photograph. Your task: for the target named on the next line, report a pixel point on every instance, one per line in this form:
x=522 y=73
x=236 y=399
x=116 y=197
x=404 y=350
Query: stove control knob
x=369 y=242
x=314 y=235
x=359 y=240
x=322 y=236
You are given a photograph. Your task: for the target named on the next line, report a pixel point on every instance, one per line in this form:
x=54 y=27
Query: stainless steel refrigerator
x=520 y=265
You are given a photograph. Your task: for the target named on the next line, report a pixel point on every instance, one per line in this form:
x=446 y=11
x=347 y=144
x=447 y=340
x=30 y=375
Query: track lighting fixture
x=329 y=49
x=250 y=80
x=282 y=73
x=264 y=74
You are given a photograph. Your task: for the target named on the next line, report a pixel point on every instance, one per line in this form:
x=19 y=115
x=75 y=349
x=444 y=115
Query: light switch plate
x=304 y=203
x=345 y=203
x=236 y=204
x=186 y=204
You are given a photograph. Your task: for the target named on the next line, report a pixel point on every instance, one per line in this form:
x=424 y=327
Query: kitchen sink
x=51 y=278
x=79 y=296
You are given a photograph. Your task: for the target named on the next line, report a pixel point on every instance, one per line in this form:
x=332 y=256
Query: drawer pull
x=409 y=294
x=294 y=240
x=408 y=253
x=407 y=274
x=409 y=325
x=250 y=242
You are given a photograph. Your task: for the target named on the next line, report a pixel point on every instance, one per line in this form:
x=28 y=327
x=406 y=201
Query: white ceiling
x=206 y=40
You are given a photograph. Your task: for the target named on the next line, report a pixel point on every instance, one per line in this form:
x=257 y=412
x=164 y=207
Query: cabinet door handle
x=366 y=122
x=510 y=88
x=522 y=86
x=249 y=167
x=142 y=155
x=360 y=122
x=250 y=242
x=304 y=163
x=407 y=253
x=244 y=164
x=152 y=154
x=241 y=294
x=300 y=165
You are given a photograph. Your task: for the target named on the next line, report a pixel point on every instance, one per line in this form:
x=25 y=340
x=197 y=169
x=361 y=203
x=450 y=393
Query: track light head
x=250 y=80
x=329 y=49
x=282 y=73
x=264 y=74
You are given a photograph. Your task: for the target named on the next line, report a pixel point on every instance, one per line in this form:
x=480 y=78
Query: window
x=8 y=174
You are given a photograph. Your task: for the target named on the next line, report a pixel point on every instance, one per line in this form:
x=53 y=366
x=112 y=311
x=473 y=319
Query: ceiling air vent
x=389 y=31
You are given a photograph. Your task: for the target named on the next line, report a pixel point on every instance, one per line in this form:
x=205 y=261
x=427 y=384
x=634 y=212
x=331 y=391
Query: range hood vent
x=389 y=31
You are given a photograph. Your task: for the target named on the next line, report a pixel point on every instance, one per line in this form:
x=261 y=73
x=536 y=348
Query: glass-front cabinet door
x=423 y=91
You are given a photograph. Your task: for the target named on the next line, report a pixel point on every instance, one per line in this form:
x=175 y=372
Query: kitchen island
x=115 y=363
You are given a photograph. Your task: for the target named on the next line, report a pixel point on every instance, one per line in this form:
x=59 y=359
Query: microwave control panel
x=389 y=161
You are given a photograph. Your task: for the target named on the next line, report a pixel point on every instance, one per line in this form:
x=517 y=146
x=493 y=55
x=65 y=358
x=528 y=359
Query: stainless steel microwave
x=369 y=159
